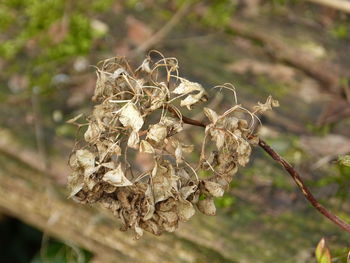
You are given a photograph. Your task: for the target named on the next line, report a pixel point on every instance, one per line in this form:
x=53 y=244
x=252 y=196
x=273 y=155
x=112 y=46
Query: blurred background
x=295 y=50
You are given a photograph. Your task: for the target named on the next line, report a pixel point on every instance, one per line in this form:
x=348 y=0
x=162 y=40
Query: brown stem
x=295 y=175
x=306 y=192
x=185 y=119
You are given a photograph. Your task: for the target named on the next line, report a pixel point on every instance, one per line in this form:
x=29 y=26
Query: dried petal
x=116 y=177
x=218 y=136
x=150 y=202
x=138 y=232
x=186 y=191
x=193 y=99
x=75 y=183
x=211 y=115
x=243 y=160
x=146 y=147
x=213 y=188
x=186 y=87
x=207 y=206
x=178 y=154
x=134 y=139
x=270 y=102
x=168 y=216
x=145 y=66
x=131 y=117
x=185 y=210
x=163 y=181
x=173 y=124
x=157 y=133
x=86 y=160
x=92 y=133
x=243 y=148
x=118 y=72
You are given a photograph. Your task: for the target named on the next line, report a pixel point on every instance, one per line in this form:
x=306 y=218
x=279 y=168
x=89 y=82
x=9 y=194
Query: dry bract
x=124 y=124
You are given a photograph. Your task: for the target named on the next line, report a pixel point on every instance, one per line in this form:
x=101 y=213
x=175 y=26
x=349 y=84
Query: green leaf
x=322 y=252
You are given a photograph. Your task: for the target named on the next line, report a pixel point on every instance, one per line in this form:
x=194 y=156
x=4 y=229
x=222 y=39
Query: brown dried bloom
x=157 y=196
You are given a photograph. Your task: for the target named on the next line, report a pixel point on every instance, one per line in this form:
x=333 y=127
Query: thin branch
x=306 y=192
x=290 y=169
x=327 y=74
x=185 y=119
x=159 y=35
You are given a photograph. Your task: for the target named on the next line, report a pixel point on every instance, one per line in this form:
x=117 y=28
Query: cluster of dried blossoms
x=137 y=113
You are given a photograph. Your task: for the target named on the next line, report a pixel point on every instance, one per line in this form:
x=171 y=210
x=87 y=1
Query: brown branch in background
x=326 y=73
x=295 y=175
x=159 y=35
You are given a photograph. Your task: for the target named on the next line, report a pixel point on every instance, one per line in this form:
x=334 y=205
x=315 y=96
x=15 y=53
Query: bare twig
x=295 y=175
x=185 y=119
x=306 y=192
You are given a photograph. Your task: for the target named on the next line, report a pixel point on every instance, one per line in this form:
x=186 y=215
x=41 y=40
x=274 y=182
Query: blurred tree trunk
x=26 y=193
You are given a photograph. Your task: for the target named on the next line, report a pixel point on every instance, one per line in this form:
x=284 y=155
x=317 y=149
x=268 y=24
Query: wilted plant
x=139 y=113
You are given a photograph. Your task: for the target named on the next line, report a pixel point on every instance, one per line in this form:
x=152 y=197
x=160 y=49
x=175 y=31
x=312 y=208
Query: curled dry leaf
x=156 y=192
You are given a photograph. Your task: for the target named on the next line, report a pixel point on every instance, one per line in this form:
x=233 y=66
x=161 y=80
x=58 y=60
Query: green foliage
x=285 y=2
x=339 y=175
x=340 y=31
x=225 y=201
x=57 y=252
x=46 y=34
x=219 y=13
x=319 y=130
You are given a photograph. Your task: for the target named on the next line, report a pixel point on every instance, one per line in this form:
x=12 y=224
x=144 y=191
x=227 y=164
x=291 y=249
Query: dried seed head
x=156 y=194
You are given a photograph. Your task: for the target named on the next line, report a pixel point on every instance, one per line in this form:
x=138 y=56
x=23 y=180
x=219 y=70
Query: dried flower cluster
x=138 y=113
